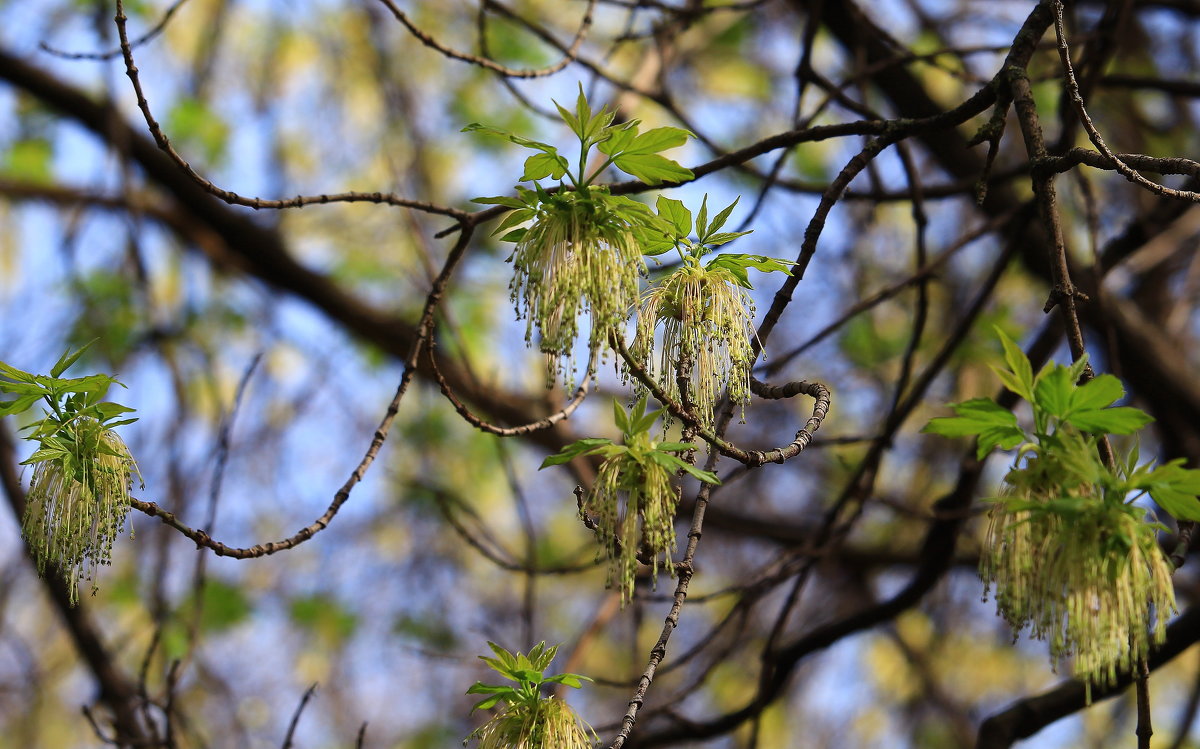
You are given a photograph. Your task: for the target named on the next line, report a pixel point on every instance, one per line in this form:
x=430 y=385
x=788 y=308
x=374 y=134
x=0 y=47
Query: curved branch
x=1064 y=54
x=233 y=198
x=569 y=54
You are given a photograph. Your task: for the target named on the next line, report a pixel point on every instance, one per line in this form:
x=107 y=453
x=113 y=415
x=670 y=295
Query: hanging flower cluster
x=703 y=311
x=632 y=501
x=1083 y=572
x=578 y=256
x=78 y=502
x=1069 y=553
x=581 y=252
x=78 y=498
x=528 y=720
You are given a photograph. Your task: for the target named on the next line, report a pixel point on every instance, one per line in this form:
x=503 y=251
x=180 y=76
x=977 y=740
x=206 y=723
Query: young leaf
x=1018 y=364
x=983 y=417
x=719 y=221
x=501 y=200
x=651 y=168
x=1052 y=391
x=675 y=212
x=1120 y=420
x=702 y=219
x=574 y=450
x=620 y=417
x=67 y=359
x=619 y=138
x=1099 y=392
x=542 y=165
x=716 y=240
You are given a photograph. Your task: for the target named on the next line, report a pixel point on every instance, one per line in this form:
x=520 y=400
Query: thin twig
x=291 y=731
x=569 y=54
x=233 y=198
x=1064 y=54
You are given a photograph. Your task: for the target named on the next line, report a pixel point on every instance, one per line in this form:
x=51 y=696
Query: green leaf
x=658 y=139
x=570 y=680
x=676 y=213
x=488 y=702
x=984 y=418
x=507 y=658
x=619 y=138
x=675 y=446
x=480 y=688
x=1099 y=392
x=652 y=169
x=108 y=410
x=702 y=219
x=583 y=112
x=500 y=200
x=1052 y=391
x=645 y=421
x=1119 y=420
x=620 y=417
x=571 y=120
x=719 y=221
x=675 y=463
x=20 y=405
x=67 y=359
x=574 y=450
x=542 y=165
x=13 y=373
x=513 y=218
x=45 y=453
x=475 y=127
x=716 y=240
x=1021 y=382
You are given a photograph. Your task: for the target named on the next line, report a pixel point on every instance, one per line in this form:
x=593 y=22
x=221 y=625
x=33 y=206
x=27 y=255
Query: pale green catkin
x=706 y=320
x=77 y=505
x=1083 y=573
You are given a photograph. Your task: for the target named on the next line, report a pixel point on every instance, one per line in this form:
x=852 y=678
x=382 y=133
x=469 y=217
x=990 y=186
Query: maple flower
x=1084 y=572
x=706 y=321
x=548 y=723
x=578 y=256
x=633 y=503
x=78 y=503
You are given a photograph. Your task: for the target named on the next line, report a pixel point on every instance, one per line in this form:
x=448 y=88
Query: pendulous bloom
x=78 y=503
x=633 y=503
x=706 y=321
x=547 y=723
x=578 y=256
x=1083 y=571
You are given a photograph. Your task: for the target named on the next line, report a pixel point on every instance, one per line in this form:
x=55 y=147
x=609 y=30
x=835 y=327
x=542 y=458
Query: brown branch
x=233 y=198
x=1064 y=54
x=1026 y=717
x=569 y=54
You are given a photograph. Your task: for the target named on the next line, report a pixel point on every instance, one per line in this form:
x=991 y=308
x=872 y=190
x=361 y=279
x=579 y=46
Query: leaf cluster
x=635 y=425
x=1068 y=420
x=526 y=670
x=69 y=402
x=635 y=153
